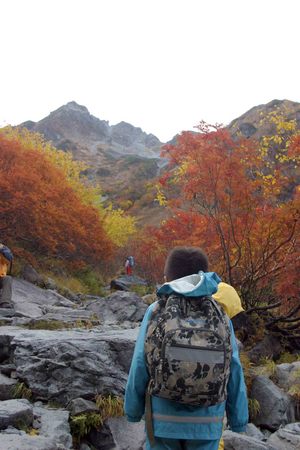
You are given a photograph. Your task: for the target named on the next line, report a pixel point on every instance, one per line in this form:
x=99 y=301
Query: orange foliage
x=40 y=210
x=232 y=208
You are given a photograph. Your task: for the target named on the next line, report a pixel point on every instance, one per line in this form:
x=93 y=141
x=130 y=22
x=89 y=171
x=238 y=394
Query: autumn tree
x=42 y=211
x=227 y=203
x=117 y=225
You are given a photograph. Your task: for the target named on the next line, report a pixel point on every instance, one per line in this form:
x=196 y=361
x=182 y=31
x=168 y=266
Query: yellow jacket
x=229 y=299
x=227 y=296
x=4 y=266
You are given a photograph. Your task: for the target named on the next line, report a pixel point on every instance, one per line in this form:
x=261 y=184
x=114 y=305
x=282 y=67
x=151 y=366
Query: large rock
x=287 y=438
x=33 y=304
x=6 y=387
x=119 y=307
x=69 y=315
x=253 y=431
x=54 y=424
x=276 y=407
x=127 y=435
x=126 y=282
x=31 y=275
x=81 y=406
x=30 y=301
x=118 y=434
x=63 y=365
x=237 y=441
x=269 y=347
x=15 y=413
x=25 y=442
x=287 y=375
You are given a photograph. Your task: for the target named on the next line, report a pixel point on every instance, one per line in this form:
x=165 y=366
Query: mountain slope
x=250 y=124
x=125 y=160
x=121 y=157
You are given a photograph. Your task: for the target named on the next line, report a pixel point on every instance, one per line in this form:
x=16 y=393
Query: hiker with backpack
x=185 y=372
x=129 y=263
x=6 y=258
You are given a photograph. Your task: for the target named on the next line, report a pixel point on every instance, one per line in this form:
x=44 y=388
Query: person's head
x=183 y=261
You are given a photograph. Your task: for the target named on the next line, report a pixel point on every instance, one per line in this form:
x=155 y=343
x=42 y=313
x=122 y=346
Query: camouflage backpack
x=188 y=350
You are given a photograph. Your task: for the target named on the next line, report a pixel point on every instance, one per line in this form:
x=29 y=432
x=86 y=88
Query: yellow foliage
x=110 y=406
x=89 y=195
x=160 y=196
x=118 y=226
x=181 y=170
x=33 y=432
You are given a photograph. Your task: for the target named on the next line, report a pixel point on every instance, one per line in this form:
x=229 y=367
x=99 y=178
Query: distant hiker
x=6 y=258
x=185 y=370
x=129 y=265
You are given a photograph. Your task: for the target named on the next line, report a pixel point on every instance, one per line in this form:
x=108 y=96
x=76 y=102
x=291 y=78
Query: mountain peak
x=72 y=107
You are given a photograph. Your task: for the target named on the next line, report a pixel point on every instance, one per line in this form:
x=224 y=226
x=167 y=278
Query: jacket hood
x=197 y=285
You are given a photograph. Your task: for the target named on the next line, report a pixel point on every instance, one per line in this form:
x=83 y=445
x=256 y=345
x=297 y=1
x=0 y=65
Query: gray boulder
x=253 y=431
x=269 y=347
x=237 y=441
x=7 y=369
x=6 y=387
x=287 y=438
x=31 y=275
x=276 y=407
x=127 y=435
x=15 y=413
x=119 y=307
x=287 y=375
x=118 y=434
x=54 y=425
x=33 y=304
x=26 y=442
x=80 y=406
x=69 y=315
x=126 y=282
x=64 y=365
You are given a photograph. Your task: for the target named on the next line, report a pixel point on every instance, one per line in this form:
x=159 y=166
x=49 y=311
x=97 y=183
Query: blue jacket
x=175 y=420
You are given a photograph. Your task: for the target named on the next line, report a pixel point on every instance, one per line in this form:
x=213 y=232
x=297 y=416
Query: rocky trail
x=58 y=354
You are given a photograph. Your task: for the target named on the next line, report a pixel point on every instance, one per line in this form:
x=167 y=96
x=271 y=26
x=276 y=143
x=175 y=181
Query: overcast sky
x=162 y=65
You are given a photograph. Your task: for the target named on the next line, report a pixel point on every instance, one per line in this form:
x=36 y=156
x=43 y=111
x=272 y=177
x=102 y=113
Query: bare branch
x=263 y=308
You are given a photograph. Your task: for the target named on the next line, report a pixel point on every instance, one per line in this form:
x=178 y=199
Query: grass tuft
x=20 y=390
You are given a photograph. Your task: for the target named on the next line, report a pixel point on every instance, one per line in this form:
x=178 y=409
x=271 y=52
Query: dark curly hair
x=183 y=261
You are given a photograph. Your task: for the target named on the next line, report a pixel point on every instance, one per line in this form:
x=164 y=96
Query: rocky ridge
x=250 y=123
x=73 y=124
x=91 y=355
x=121 y=157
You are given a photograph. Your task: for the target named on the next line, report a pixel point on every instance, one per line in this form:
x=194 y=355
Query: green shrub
x=142 y=290
x=92 y=281
x=267 y=368
x=20 y=390
x=109 y=406
x=82 y=424
x=288 y=358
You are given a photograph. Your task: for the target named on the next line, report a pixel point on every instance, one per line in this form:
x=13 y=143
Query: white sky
x=162 y=65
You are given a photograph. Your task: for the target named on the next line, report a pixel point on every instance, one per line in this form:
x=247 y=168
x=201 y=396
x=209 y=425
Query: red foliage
x=229 y=206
